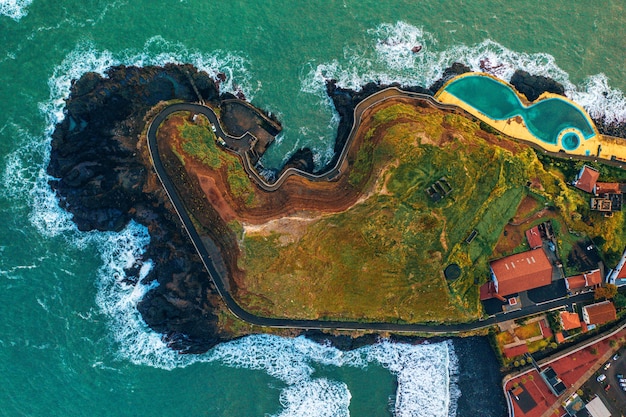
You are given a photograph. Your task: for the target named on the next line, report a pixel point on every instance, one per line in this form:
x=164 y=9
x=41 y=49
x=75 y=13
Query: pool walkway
x=570 y=142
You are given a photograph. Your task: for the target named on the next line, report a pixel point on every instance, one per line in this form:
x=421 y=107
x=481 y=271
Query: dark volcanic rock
x=449 y=73
x=611 y=128
x=101 y=178
x=345 y=100
x=532 y=86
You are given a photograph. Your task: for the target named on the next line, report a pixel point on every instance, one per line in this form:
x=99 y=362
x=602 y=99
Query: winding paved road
x=221 y=282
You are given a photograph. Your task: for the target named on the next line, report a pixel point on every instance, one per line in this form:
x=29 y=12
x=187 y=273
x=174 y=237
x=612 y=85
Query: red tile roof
x=570 y=321
x=575 y=282
x=515 y=351
x=600 y=313
x=607 y=187
x=587 y=179
x=522 y=271
x=533 y=237
x=588 y=279
x=593 y=277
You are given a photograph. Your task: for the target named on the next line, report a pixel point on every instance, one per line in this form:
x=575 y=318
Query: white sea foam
x=25 y=180
x=316 y=398
x=15 y=9
x=391 y=60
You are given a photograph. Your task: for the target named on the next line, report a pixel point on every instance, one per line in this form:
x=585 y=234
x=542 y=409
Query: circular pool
x=570 y=141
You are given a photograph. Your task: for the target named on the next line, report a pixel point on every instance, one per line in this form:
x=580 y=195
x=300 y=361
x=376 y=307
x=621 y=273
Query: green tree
x=619 y=300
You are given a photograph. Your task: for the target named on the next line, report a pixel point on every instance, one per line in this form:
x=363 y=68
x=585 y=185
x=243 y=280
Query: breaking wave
x=15 y=9
x=392 y=60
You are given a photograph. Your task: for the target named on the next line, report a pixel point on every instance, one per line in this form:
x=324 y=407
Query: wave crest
x=15 y=9
x=392 y=60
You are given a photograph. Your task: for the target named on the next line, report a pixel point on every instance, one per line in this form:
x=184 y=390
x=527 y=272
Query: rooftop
x=608 y=187
x=587 y=178
x=587 y=279
x=534 y=237
x=516 y=351
x=570 y=321
x=522 y=271
x=599 y=313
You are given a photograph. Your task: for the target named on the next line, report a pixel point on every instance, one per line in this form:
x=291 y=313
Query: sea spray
x=15 y=9
x=391 y=60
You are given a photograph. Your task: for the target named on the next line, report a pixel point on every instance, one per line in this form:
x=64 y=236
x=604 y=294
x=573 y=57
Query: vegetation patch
x=196 y=142
x=383 y=259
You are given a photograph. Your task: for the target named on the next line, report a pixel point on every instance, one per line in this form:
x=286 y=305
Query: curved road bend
x=221 y=282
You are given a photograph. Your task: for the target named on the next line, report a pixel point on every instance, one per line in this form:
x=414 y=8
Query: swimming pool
x=549 y=120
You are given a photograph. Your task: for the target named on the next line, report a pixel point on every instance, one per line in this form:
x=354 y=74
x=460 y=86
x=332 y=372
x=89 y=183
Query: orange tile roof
x=533 y=237
x=559 y=337
x=593 y=277
x=576 y=282
x=601 y=313
x=515 y=351
x=607 y=187
x=522 y=271
x=587 y=179
x=588 y=279
x=570 y=320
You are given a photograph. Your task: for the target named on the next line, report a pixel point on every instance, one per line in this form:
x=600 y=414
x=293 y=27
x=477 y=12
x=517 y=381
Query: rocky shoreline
x=104 y=177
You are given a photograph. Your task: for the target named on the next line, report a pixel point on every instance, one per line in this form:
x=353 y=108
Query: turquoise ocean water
x=71 y=341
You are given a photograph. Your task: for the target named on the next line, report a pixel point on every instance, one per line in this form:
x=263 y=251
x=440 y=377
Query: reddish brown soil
x=205 y=190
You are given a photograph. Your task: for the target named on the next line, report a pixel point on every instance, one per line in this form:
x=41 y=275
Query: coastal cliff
x=103 y=175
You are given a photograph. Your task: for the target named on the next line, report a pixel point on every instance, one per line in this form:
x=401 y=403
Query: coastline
x=177 y=337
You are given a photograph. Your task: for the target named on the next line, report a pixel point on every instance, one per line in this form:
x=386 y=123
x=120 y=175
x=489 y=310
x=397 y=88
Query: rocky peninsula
x=103 y=175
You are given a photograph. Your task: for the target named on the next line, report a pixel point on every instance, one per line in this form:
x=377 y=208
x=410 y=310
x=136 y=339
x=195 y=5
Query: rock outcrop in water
x=532 y=86
x=104 y=178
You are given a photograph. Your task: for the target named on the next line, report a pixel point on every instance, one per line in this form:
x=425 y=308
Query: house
x=599 y=313
x=586 y=179
x=607 y=188
x=515 y=351
x=586 y=281
x=618 y=275
x=607 y=203
x=608 y=196
x=569 y=321
x=534 y=237
x=520 y=272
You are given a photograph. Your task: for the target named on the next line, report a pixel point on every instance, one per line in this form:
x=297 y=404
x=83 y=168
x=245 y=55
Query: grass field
x=383 y=259
x=197 y=141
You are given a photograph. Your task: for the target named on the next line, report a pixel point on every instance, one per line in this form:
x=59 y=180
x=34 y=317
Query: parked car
x=607 y=366
x=616 y=356
x=601 y=378
x=619 y=376
x=608 y=387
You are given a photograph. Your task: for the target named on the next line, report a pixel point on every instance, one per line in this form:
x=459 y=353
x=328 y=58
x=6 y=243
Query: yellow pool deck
x=599 y=146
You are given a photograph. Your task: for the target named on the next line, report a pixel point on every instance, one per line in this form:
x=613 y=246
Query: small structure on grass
x=607 y=196
x=439 y=189
x=452 y=272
